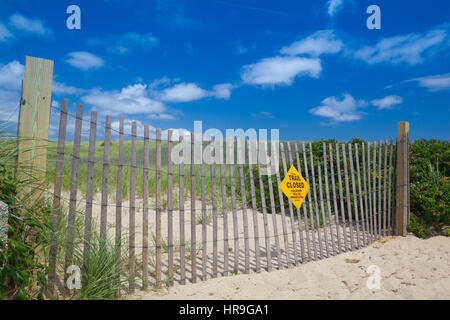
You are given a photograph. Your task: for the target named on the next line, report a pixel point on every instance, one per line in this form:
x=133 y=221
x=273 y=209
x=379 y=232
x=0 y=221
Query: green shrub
x=430 y=185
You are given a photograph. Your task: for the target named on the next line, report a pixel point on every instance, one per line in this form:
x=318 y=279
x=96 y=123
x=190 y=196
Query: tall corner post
x=402 y=196
x=34 y=123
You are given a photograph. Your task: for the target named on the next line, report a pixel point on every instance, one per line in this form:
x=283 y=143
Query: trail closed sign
x=295 y=187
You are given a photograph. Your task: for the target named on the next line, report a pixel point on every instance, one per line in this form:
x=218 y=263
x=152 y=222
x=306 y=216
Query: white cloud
x=11 y=75
x=162 y=116
x=133 y=99
x=176 y=134
x=321 y=42
x=280 y=70
x=334 y=6
x=5 y=34
x=126 y=43
x=387 y=102
x=403 y=49
x=222 y=91
x=434 y=83
x=127 y=126
x=35 y=26
x=263 y=114
x=344 y=110
x=62 y=88
x=84 y=60
x=183 y=92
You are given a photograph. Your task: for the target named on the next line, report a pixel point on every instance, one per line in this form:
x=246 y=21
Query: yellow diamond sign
x=294 y=187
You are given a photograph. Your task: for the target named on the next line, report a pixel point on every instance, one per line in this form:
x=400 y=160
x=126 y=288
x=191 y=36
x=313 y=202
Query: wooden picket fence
x=351 y=203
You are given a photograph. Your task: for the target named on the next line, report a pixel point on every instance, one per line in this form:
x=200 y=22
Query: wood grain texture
x=105 y=179
x=230 y=149
x=241 y=160
x=193 y=214
x=118 y=231
x=170 y=207
x=56 y=209
x=132 y=217
x=224 y=208
x=181 y=211
x=34 y=125
x=158 y=262
x=73 y=190
x=273 y=211
x=145 y=209
x=327 y=193
x=355 y=195
x=252 y=153
x=305 y=211
x=260 y=148
x=341 y=197
x=214 y=146
x=291 y=209
x=299 y=218
x=335 y=205
x=316 y=206
x=311 y=212
x=89 y=189
x=347 y=197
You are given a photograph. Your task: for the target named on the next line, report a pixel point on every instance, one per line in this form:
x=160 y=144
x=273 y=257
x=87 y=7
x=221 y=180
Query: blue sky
x=309 y=68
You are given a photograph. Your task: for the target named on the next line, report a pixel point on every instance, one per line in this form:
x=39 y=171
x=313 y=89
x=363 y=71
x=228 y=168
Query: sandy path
x=411 y=268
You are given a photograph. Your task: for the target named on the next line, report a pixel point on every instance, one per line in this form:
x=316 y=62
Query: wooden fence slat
x=374 y=190
x=230 y=148
x=380 y=151
x=89 y=189
x=299 y=218
x=253 y=195
x=241 y=160
x=283 y=213
x=105 y=179
x=341 y=197
x=358 y=172
x=335 y=206
x=384 y=187
x=347 y=196
x=214 y=205
x=327 y=191
x=291 y=210
x=264 y=208
x=158 y=209
x=273 y=210
x=73 y=190
x=132 y=218
x=366 y=207
x=311 y=213
x=305 y=213
x=322 y=207
x=56 y=210
x=118 y=231
x=181 y=210
x=369 y=195
x=204 y=216
x=355 y=200
x=316 y=206
x=170 y=206
x=145 y=209
x=193 y=214
x=389 y=222
x=224 y=207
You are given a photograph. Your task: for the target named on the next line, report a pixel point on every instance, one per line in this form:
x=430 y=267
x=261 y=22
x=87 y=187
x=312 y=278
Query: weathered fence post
x=34 y=123
x=402 y=177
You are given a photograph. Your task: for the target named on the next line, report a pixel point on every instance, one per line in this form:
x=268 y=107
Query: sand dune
x=410 y=268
